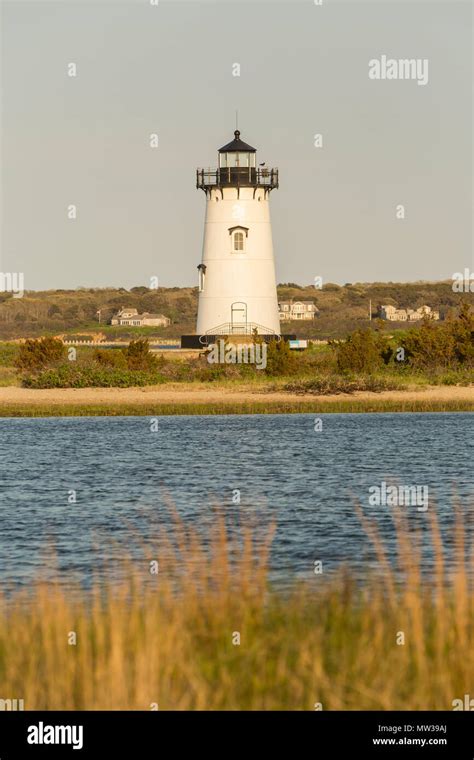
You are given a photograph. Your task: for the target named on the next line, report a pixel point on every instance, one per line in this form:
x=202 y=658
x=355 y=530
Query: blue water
x=128 y=478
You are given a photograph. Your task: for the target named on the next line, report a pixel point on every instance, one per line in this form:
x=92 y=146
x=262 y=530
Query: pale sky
x=167 y=69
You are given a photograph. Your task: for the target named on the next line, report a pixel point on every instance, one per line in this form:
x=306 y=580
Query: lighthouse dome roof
x=237 y=145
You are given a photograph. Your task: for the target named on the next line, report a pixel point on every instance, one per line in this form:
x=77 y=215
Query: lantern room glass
x=240 y=160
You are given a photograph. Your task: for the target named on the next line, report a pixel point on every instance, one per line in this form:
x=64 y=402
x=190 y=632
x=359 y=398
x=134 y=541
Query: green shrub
x=462 y=331
x=178 y=371
x=8 y=353
x=281 y=360
x=138 y=355
x=109 y=358
x=35 y=355
x=362 y=351
x=71 y=376
x=442 y=345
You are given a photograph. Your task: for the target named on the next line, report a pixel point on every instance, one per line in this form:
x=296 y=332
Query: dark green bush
x=8 y=353
x=362 y=351
x=281 y=360
x=442 y=345
x=70 y=376
x=138 y=355
x=109 y=358
x=34 y=355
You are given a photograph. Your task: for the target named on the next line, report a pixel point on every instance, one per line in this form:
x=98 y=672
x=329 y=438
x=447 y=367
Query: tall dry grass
x=168 y=638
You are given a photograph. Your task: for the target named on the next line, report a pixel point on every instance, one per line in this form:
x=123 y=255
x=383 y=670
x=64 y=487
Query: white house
x=407 y=315
x=293 y=310
x=132 y=318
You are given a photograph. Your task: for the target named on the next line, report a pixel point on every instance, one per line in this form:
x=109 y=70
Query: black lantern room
x=237 y=168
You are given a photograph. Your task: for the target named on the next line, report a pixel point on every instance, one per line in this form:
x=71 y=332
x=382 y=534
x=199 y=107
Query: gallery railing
x=237 y=176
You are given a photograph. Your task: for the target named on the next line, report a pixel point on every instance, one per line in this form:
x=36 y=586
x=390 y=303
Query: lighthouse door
x=238 y=318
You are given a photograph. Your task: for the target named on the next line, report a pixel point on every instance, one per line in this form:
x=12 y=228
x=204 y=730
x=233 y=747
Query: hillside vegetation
x=341 y=308
x=368 y=359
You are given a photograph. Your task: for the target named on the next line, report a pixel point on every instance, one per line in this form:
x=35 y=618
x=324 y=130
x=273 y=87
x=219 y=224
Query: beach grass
x=308 y=406
x=208 y=631
x=8 y=377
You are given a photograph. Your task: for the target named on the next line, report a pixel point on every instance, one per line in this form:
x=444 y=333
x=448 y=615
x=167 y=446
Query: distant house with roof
x=407 y=315
x=293 y=310
x=131 y=318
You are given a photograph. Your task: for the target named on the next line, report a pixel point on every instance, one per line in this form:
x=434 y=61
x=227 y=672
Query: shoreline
x=181 y=399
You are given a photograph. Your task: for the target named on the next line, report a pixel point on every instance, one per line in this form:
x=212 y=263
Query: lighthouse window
x=238 y=241
x=202 y=276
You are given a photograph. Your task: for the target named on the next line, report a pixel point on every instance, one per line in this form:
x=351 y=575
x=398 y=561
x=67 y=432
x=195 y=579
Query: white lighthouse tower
x=237 y=288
